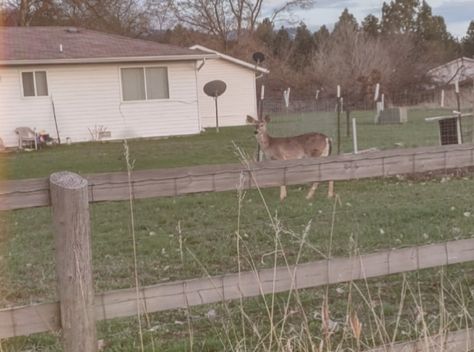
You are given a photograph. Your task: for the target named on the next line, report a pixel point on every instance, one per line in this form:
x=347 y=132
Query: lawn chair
x=26 y=138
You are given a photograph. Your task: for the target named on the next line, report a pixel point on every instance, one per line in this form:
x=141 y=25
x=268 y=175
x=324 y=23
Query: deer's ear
x=251 y=120
x=267 y=118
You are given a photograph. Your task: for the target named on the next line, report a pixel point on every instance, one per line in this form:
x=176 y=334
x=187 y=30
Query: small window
x=147 y=83
x=34 y=83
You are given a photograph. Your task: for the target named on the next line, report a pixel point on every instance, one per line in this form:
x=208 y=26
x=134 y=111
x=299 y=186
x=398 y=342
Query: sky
x=457 y=13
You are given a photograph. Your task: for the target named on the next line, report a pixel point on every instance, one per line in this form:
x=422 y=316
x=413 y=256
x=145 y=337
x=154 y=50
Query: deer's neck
x=264 y=140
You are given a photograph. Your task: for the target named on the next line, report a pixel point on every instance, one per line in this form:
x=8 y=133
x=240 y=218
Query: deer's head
x=260 y=125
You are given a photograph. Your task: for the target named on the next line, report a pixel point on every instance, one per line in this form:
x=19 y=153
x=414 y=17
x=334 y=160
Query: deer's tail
x=328 y=148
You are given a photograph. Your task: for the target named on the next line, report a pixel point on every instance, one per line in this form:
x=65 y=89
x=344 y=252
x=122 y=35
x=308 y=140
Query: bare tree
x=223 y=17
x=129 y=17
x=357 y=61
x=26 y=11
x=162 y=13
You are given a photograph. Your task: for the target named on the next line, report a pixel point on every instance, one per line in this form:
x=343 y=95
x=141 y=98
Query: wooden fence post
x=72 y=232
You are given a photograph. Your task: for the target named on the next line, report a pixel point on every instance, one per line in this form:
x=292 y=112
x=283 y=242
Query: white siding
x=238 y=101
x=454 y=70
x=86 y=96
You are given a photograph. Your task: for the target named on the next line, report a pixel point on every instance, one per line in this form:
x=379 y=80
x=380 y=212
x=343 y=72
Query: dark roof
x=67 y=44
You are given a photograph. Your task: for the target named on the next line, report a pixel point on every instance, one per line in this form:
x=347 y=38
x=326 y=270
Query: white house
x=97 y=81
x=460 y=69
x=239 y=99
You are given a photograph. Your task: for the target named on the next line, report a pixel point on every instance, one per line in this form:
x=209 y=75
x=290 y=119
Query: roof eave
x=230 y=59
x=441 y=67
x=108 y=60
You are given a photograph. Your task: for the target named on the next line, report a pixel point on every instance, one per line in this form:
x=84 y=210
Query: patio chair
x=26 y=138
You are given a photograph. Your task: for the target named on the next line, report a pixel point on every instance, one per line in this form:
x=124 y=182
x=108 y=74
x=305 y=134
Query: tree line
x=395 y=50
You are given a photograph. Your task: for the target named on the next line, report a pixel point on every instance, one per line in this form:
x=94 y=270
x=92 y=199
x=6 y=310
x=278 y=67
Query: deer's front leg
x=313 y=189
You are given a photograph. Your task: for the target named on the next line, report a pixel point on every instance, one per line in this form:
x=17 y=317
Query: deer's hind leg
x=283 y=193
x=313 y=189
x=331 y=189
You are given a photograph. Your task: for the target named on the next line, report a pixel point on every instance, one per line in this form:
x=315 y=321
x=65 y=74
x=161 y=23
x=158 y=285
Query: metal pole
x=55 y=120
x=217 y=116
x=338 y=125
x=348 y=117
x=354 y=135
x=458 y=124
x=260 y=118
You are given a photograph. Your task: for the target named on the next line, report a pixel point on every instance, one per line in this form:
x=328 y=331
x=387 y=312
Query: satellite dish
x=258 y=57
x=215 y=88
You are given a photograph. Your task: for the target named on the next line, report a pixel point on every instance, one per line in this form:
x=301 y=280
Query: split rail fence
x=69 y=196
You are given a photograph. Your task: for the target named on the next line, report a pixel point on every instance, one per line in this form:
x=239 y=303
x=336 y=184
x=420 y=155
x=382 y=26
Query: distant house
x=461 y=69
x=98 y=82
x=240 y=98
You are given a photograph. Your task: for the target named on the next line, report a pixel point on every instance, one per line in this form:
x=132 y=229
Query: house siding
x=86 y=96
x=239 y=99
x=454 y=70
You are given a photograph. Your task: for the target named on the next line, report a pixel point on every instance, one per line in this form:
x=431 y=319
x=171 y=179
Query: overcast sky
x=456 y=13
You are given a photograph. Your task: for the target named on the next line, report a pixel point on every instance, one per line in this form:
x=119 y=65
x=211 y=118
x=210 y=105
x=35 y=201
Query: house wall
x=450 y=72
x=239 y=99
x=86 y=96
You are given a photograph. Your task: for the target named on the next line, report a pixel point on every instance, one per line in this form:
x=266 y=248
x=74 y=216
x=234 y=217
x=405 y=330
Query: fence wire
x=400 y=124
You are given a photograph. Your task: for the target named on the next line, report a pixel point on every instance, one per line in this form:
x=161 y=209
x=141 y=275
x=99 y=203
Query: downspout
x=196 y=69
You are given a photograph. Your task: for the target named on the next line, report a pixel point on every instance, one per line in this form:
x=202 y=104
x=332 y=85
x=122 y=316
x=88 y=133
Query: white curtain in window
x=28 y=84
x=157 y=83
x=41 y=83
x=133 y=84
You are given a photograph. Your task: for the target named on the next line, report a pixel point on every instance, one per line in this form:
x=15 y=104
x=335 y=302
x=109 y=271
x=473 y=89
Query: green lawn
x=191 y=236
x=216 y=148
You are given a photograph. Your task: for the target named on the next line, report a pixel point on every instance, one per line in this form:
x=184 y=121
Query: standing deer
x=309 y=145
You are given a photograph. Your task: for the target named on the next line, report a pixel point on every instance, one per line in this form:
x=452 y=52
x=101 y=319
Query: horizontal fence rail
x=217 y=178
x=453 y=341
x=30 y=319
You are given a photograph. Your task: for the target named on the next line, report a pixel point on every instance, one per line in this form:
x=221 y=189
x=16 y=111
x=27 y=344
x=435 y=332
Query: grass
x=217 y=148
x=172 y=232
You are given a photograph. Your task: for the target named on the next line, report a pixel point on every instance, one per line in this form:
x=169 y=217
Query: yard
x=214 y=233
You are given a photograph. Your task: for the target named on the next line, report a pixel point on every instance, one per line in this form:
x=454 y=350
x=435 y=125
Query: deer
x=308 y=145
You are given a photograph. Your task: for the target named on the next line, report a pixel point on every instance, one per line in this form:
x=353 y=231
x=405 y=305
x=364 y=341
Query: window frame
x=144 y=67
x=36 y=96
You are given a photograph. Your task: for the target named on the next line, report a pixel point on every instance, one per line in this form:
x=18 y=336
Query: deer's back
x=298 y=147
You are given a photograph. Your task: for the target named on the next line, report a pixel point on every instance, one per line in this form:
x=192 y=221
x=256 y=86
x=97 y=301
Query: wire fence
x=395 y=121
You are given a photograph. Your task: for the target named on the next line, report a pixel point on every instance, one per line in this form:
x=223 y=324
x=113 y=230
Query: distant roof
x=230 y=58
x=54 y=45
x=459 y=69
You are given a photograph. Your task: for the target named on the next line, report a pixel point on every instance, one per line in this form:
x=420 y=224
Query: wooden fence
x=187 y=293
x=453 y=341
x=218 y=178
x=70 y=195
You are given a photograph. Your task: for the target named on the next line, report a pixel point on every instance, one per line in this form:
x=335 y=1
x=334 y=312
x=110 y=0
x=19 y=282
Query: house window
x=145 y=83
x=34 y=83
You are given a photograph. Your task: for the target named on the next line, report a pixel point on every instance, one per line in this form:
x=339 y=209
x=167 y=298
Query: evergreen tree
x=281 y=43
x=346 y=21
x=468 y=41
x=303 y=48
x=399 y=16
x=265 y=31
x=429 y=27
x=370 y=25
x=321 y=37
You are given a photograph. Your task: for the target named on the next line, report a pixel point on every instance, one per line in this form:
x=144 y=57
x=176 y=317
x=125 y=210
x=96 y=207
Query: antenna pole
x=217 y=115
x=55 y=120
